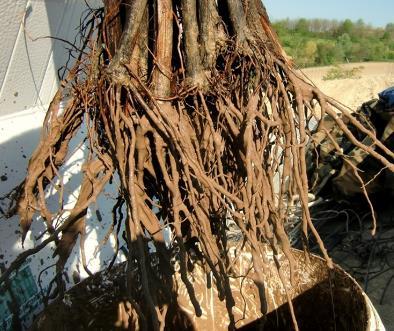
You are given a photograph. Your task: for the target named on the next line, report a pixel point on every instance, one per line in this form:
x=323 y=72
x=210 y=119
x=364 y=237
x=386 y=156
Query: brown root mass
x=197 y=109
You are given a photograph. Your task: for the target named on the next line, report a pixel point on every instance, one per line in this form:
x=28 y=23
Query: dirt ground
x=370 y=79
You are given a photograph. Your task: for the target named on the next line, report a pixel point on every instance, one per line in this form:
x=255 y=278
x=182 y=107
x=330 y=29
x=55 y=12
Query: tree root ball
x=198 y=111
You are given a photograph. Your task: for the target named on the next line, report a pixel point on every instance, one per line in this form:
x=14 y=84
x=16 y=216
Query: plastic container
x=323 y=299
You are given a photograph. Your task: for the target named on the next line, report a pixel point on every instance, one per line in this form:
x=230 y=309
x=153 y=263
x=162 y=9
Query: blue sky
x=374 y=12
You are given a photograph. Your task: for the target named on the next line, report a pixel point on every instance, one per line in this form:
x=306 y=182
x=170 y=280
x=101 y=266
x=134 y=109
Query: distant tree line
x=314 y=42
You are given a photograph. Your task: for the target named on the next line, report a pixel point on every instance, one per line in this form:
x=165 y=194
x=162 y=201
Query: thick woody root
x=223 y=137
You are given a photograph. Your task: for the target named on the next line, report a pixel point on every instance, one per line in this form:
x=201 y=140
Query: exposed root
x=225 y=138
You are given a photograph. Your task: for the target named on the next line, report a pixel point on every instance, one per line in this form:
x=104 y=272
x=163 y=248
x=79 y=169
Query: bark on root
x=220 y=115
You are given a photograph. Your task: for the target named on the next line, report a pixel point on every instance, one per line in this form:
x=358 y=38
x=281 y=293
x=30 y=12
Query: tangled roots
x=210 y=136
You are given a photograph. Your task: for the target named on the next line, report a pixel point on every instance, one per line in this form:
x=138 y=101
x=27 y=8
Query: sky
x=375 y=12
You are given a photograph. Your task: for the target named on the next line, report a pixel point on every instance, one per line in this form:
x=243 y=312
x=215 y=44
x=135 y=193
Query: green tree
x=302 y=26
x=307 y=54
x=336 y=42
x=345 y=43
x=328 y=52
x=347 y=26
x=388 y=34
